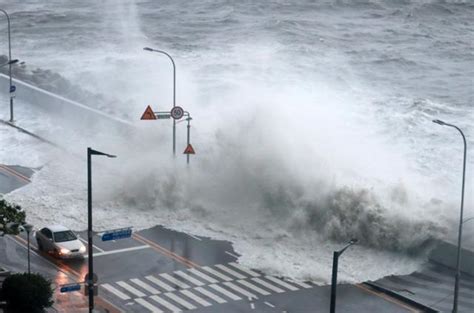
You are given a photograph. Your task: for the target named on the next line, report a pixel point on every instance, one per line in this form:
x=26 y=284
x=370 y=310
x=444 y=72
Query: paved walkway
x=434 y=287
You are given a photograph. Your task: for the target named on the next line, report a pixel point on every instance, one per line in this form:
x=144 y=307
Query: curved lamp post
x=90 y=275
x=174 y=90
x=10 y=64
x=458 y=259
x=335 y=261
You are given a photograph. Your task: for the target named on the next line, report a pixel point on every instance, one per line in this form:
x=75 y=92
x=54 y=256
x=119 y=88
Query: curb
x=29 y=133
x=396 y=295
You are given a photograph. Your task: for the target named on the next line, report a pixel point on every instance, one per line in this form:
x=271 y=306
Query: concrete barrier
x=445 y=253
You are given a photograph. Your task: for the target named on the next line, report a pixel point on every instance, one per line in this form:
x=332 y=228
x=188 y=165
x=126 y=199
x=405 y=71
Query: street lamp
x=90 y=282
x=335 y=261
x=458 y=259
x=10 y=64
x=174 y=91
x=28 y=228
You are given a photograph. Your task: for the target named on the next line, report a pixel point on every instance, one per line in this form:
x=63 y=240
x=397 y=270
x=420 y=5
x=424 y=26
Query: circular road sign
x=177 y=112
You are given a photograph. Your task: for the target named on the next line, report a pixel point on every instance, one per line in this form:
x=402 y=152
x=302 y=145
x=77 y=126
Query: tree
x=10 y=214
x=25 y=292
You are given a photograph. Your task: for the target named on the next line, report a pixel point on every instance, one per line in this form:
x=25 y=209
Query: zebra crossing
x=194 y=288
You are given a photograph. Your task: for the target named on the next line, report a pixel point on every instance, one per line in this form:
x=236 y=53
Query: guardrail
x=72 y=111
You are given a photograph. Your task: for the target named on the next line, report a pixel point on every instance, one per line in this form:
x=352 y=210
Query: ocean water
x=311 y=121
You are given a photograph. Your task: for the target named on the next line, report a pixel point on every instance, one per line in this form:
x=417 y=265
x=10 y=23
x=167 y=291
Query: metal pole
x=90 y=283
x=189 y=137
x=10 y=65
x=174 y=103
x=335 y=259
x=28 y=236
x=458 y=259
x=174 y=92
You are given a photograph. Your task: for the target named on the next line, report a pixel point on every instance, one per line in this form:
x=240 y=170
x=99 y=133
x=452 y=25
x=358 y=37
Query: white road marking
x=183 y=302
x=165 y=303
x=189 y=278
x=268 y=285
x=299 y=283
x=148 y=305
x=231 y=254
x=116 y=292
x=225 y=292
x=174 y=281
x=252 y=306
x=230 y=271
x=192 y=236
x=242 y=291
x=210 y=295
x=269 y=304
x=119 y=251
x=253 y=287
x=131 y=289
x=145 y=286
x=216 y=273
x=243 y=269
x=85 y=241
x=202 y=275
x=198 y=299
x=281 y=283
x=158 y=282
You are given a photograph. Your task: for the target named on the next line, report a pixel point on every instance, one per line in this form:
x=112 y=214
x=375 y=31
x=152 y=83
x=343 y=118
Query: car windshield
x=62 y=236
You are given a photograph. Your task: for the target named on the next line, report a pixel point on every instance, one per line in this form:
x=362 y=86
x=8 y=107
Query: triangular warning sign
x=148 y=114
x=189 y=150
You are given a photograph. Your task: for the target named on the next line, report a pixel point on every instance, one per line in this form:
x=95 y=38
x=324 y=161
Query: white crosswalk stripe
x=148 y=305
x=230 y=271
x=240 y=290
x=210 y=295
x=216 y=273
x=300 y=283
x=282 y=283
x=189 y=278
x=179 y=300
x=160 y=283
x=166 y=304
x=225 y=292
x=202 y=275
x=145 y=286
x=115 y=291
x=268 y=285
x=253 y=287
x=176 y=282
x=196 y=298
x=130 y=289
x=245 y=270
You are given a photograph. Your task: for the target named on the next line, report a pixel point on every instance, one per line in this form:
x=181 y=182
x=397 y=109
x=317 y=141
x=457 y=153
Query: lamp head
x=354 y=241
x=28 y=227
x=440 y=122
x=147 y=49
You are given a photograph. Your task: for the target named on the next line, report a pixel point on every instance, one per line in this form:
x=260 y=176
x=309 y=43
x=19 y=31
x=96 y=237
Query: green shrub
x=25 y=292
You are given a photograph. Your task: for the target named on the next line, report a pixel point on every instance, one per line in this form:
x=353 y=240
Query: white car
x=60 y=241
